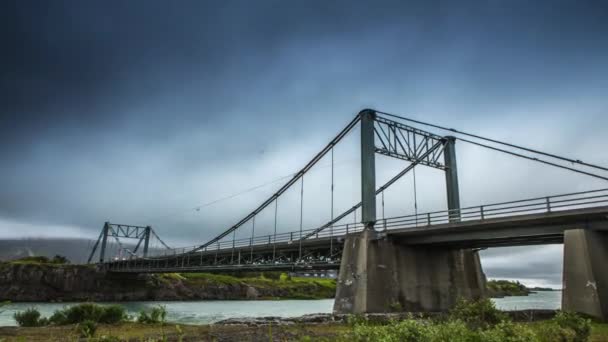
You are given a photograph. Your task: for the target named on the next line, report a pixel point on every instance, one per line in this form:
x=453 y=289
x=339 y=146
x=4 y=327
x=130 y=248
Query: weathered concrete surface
x=380 y=275
x=586 y=272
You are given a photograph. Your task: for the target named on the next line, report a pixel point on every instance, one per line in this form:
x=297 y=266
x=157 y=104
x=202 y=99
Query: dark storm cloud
x=75 y=65
x=131 y=109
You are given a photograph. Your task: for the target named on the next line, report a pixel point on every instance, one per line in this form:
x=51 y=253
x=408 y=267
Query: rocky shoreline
x=515 y=315
x=66 y=283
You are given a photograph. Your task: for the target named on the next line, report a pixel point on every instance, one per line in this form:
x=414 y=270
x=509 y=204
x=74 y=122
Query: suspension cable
x=159 y=239
x=274 y=243
x=383 y=220
x=383 y=204
x=252 y=236
x=331 y=229
x=415 y=192
x=301 y=216
x=380 y=189
x=284 y=188
x=534 y=159
x=570 y=160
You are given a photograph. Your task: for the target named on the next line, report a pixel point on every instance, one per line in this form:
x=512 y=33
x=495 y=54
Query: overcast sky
x=144 y=111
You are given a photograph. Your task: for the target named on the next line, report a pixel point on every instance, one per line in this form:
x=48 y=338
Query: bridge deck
x=527 y=229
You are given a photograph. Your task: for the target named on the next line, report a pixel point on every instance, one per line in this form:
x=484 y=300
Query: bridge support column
x=585 y=275
x=381 y=275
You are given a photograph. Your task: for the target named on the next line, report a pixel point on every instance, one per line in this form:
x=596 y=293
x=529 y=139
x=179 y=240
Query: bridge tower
x=377 y=274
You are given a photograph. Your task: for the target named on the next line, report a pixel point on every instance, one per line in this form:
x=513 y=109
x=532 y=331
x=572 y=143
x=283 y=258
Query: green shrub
x=567 y=327
x=551 y=332
x=108 y=314
x=156 y=315
x=83 y=312
x=407 y=330
x=284 y=277
x=509 y=332
x=86 y=328
x=113 y=314
x=478 y=314
x=28 y=318
x=453 y=331
x=60 y=259
x=58 y=318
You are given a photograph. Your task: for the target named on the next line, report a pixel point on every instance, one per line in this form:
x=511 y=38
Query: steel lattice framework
x=117 y=231
x=408 y=143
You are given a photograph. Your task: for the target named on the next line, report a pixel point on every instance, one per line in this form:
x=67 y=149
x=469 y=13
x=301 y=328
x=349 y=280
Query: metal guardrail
x=538 y=205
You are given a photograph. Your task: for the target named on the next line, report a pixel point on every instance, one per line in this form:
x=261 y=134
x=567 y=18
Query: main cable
x=533 y=158
x=574 y=161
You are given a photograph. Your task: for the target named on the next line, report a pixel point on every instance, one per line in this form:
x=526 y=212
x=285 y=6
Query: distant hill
x=76 y=250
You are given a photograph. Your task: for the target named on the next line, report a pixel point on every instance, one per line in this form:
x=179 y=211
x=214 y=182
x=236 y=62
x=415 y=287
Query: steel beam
x=147 y=241
x=368 y=169
x=104 y=240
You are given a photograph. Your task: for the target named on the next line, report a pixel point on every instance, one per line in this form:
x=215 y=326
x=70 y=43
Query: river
x=204 y=312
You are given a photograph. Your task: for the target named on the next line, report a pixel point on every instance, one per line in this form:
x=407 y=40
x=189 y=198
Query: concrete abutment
x=586 y=272
x=381 y=275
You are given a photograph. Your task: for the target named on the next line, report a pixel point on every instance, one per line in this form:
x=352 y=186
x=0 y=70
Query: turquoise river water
x=204 y=312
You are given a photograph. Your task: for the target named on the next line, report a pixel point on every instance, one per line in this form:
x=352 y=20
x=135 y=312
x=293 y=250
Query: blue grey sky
x=142 y=111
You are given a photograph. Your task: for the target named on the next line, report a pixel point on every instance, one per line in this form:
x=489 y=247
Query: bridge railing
x=537 y=205
x=293 y=237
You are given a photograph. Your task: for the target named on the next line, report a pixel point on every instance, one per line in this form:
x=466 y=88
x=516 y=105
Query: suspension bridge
x=423 y=261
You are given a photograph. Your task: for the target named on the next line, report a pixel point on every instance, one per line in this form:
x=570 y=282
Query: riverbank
x=270 y=329
x=35 y=282
x=30 y=281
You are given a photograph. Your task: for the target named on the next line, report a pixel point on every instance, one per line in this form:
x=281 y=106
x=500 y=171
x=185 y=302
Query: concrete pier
x=586 y=272
x=378 y=274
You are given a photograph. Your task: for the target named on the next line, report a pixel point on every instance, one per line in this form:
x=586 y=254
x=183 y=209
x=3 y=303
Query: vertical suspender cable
x=383 y=204
x=274 y=244
x=252 y=235
x=383 y=210
x=331 y=229
x=415 y=196
x=233 y=242
x=301 y=215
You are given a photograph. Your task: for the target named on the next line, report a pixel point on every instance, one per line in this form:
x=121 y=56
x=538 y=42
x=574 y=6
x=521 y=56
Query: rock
x=35 y=282
x=252 y=293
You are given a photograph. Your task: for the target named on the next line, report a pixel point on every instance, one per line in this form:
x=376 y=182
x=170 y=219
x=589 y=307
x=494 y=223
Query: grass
x=284 y=287
x=599 y=332
x=145 y=332
x=57 y=260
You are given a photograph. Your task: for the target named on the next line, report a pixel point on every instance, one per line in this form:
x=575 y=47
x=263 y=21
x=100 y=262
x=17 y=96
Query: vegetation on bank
x=311 y=288
x=503 y=288
x=285 y=286
x=477 y=321
x=86 y=317
x=40 y=260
